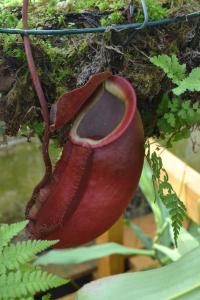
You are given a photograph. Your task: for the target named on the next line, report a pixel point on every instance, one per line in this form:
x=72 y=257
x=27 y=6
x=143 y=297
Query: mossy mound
x=65 y=62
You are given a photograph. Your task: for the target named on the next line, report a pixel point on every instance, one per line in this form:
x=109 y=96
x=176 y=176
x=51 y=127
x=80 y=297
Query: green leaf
x=182 y=114
x=37 y=127
x=186 y=104
x=19 y=284
x=179 y=281
x=195 y=105
x=46 y=297
x=19 y=279
x=159 y=210
x=84 y=254
x=144 y=238
x=171 y=66
x=8 y=232
x=176 y=208
x=194 y=230
x=191 y=83
x=173 y=254
x=170 y=119
x=27 y=298
x=175 y=104
x=21 y=253
x=186 y=242
x=163 y=105
x=183 y=134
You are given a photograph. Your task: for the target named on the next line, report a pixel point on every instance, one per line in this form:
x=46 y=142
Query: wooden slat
x=114 y=264
x=147 y=224
x=185 y=181
x=69 y=297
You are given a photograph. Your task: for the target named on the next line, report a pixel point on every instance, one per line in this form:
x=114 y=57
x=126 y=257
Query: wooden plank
x=69 y=297
x=114 y=264
x=147 y=224
x=185 y=181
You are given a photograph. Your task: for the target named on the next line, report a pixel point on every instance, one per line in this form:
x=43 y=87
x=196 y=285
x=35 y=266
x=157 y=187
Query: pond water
x=22 y=167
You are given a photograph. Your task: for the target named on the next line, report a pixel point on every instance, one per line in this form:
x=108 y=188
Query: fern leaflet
x=190 y=83
x=20 y=253
x=171 y=66
x=24 y=284
x=19 y=279
x=176 y=208
x=8 y=232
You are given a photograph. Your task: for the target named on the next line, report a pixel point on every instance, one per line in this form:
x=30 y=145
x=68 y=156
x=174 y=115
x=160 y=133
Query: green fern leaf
x=28 y=298
x=18 y=285
x=46 y=297
x=27 y=279
x=21 y=253
x=191 y=83
x=171 y=66
x=175 y=206
x=8 y=232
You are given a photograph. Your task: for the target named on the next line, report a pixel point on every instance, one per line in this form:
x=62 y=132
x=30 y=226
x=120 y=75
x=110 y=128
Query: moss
x=65 y=62
x=114 y=18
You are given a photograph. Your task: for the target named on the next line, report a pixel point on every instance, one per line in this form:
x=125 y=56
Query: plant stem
x=40 y=94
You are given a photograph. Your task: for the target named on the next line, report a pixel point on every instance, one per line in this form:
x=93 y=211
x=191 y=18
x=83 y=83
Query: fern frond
x=29 y=298
x=21 y=253
x=19 y=285
x=171 y=66
x=176 y=208
x=8 y=232
x=46 y=297
x=191 y=83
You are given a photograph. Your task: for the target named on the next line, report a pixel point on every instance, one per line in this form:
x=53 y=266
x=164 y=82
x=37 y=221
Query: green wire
x=133 y=26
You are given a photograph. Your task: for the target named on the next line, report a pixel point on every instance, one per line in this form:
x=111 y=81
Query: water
x=21 y=168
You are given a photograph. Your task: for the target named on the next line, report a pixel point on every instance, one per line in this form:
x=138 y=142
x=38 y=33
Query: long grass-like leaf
x=178 y=281
x=83 y=254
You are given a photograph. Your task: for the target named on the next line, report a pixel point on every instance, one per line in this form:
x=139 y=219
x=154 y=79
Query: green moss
x=102 y=5
x=155 y=10
x=114 y=18
x=11 y=49
x=64 y=62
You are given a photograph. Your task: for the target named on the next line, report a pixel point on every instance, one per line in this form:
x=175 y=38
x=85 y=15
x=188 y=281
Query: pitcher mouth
x=107 y=115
